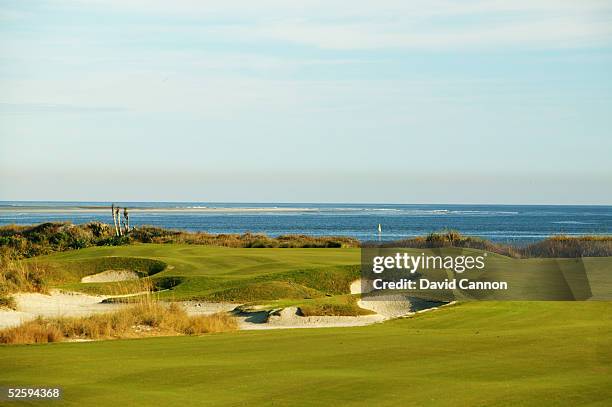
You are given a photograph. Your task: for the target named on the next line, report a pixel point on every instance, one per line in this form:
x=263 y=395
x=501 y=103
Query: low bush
x=451 y=238
x=565 y=246
x=554 y=246
x=30 y=241
x=45 y=238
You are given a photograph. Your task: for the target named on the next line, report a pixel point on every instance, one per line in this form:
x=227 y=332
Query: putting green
x=212 y=273
x=249 y=275
x=480 y=353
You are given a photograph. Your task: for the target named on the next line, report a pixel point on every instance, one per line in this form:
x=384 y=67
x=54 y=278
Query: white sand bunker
x=384 y=307
x=110 y=276
x=56 y=304
x=290 y=318
x=389 y=306
x=62 y=304
x=207 y=308
x=357 y=288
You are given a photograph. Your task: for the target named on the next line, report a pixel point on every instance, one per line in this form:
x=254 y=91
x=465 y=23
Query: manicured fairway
x=481 y=353
x=216 y=273
x=194 y=260
x=245 y=275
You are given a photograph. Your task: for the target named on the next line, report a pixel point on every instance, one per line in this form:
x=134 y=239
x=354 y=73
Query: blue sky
x=329 y=101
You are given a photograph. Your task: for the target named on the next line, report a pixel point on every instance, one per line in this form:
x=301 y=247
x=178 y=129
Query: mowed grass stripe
x=485 y=353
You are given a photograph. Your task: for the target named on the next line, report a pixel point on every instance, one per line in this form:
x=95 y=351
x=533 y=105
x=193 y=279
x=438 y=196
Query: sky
x=390 y=101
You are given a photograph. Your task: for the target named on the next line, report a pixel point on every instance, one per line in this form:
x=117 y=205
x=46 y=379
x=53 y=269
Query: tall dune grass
x=554 y=246
x=34 y=240
x=147 y=317
x=566 y=246
x=144 y=315
x=16 y=276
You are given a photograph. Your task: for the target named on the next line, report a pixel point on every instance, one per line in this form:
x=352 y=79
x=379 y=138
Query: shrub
x=113 y=241
x=452 y=238
x=29 y=241
x=564 y=246
x=555 y=246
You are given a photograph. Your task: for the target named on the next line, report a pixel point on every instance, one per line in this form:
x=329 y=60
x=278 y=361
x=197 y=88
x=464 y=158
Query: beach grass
x=141 y=319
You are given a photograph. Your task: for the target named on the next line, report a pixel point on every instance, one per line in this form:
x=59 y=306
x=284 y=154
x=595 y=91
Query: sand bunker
x=290 y=318
x=56 y=304
x=10 y=318
x=389 y=306
x=207 y=308
x=63 y=304
x=283 y=319
x=110 y=276
x=384 y=307
x=357 y=288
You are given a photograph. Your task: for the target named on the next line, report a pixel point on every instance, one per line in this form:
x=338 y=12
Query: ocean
x=517 y=224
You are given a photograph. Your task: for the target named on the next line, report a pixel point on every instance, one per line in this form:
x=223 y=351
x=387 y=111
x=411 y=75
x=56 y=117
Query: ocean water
x=518 y=224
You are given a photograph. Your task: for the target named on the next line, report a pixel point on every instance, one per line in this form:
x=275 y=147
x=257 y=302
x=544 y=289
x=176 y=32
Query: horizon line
x=308 y=203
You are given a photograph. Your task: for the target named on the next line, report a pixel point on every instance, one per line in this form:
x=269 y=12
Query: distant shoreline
x=499 y=223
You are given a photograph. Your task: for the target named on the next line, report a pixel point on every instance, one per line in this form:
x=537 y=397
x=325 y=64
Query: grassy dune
x=481 y=353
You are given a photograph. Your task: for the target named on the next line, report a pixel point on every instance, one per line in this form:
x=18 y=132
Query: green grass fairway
x=478 y=353
x=213 y=273
x=473 y=354
x=191 y=272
